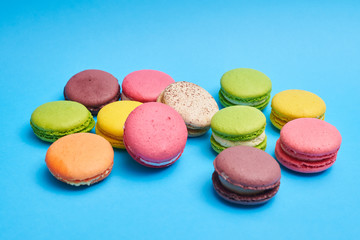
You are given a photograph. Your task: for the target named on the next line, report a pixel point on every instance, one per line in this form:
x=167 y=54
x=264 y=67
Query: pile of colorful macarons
x=152 y=117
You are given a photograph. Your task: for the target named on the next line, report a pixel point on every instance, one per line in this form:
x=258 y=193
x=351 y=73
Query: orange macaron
x=80 y=159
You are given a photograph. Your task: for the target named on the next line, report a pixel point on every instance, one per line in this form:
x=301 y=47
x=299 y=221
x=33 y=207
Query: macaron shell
x=219 y=148
x=245 y=83
x=80 y=157
x=247 y=102
x=192 y=102
x=248 y=168
x=302 y=166
x=238 y=123
x=197 y=132
x=145 y=85
x=256 y=199
x=56 y=119
x=111 y=120
x=276 y=121
x=293 y=104
x=155 y=132
x=310 y=137
x=116 y=142
x=93 y=88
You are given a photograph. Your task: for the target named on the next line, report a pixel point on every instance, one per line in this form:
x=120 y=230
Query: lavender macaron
x=246 y=175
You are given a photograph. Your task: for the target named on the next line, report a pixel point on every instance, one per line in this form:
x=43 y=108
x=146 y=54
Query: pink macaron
x=155 y=135
x=308 y=145
x=145 y=85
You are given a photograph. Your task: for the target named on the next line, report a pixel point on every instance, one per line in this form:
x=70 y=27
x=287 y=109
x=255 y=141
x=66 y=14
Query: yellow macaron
x=111 y=119
x=292 y=104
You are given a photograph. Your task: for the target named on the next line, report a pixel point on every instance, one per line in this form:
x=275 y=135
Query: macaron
x=80 y=159
x=246 y=175
x=111 y=120
x=308 y=145
x=195 y=105
x=53 y=120
x=155 y=135
x=145 y=85
x=292 y=104
x=92 y=88
x=245 y=86
x=238 y=125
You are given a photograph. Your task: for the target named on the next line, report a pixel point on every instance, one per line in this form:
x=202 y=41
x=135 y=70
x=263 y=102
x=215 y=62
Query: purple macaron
x=92 y=88
x=246 y=175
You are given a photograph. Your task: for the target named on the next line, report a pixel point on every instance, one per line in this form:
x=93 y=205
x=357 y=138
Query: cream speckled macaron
x=193 y=103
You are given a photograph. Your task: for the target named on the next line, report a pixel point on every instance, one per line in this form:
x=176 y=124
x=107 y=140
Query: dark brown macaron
x=246 y=175
x=92 y=88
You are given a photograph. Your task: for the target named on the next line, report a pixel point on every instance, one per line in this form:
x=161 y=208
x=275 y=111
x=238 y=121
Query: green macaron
x=54 y=120
x=238 y=125
x=245 y=86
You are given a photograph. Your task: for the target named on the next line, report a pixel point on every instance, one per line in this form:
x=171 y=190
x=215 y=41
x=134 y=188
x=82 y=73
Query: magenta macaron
x=155 y=135
x=246 y=175
x=144 y=85
x=308 y=145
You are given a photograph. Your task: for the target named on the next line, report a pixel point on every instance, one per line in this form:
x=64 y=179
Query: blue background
x=310 y=45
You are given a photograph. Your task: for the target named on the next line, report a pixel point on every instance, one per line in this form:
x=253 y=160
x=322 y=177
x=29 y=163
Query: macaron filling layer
x=152 y=163
x=244 y=101
x=218 y=148
x=243 y=137
x=237 y=189
x=300 y=165
x=246 y=199
x=306 y=157
x=115 y=141
x=279 y=120
x=88 y=181
x=159 y=164
x=52 y=135
x=227 y=143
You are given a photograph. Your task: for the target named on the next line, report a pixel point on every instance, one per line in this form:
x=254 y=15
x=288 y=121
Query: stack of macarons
x=153 y=116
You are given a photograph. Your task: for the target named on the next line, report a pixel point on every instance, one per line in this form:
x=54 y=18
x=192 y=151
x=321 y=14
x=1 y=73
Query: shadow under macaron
x=125 y=166
x=46 y=180
x=213 y=198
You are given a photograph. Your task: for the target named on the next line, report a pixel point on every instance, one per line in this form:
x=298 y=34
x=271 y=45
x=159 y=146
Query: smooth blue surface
x=310 y=45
